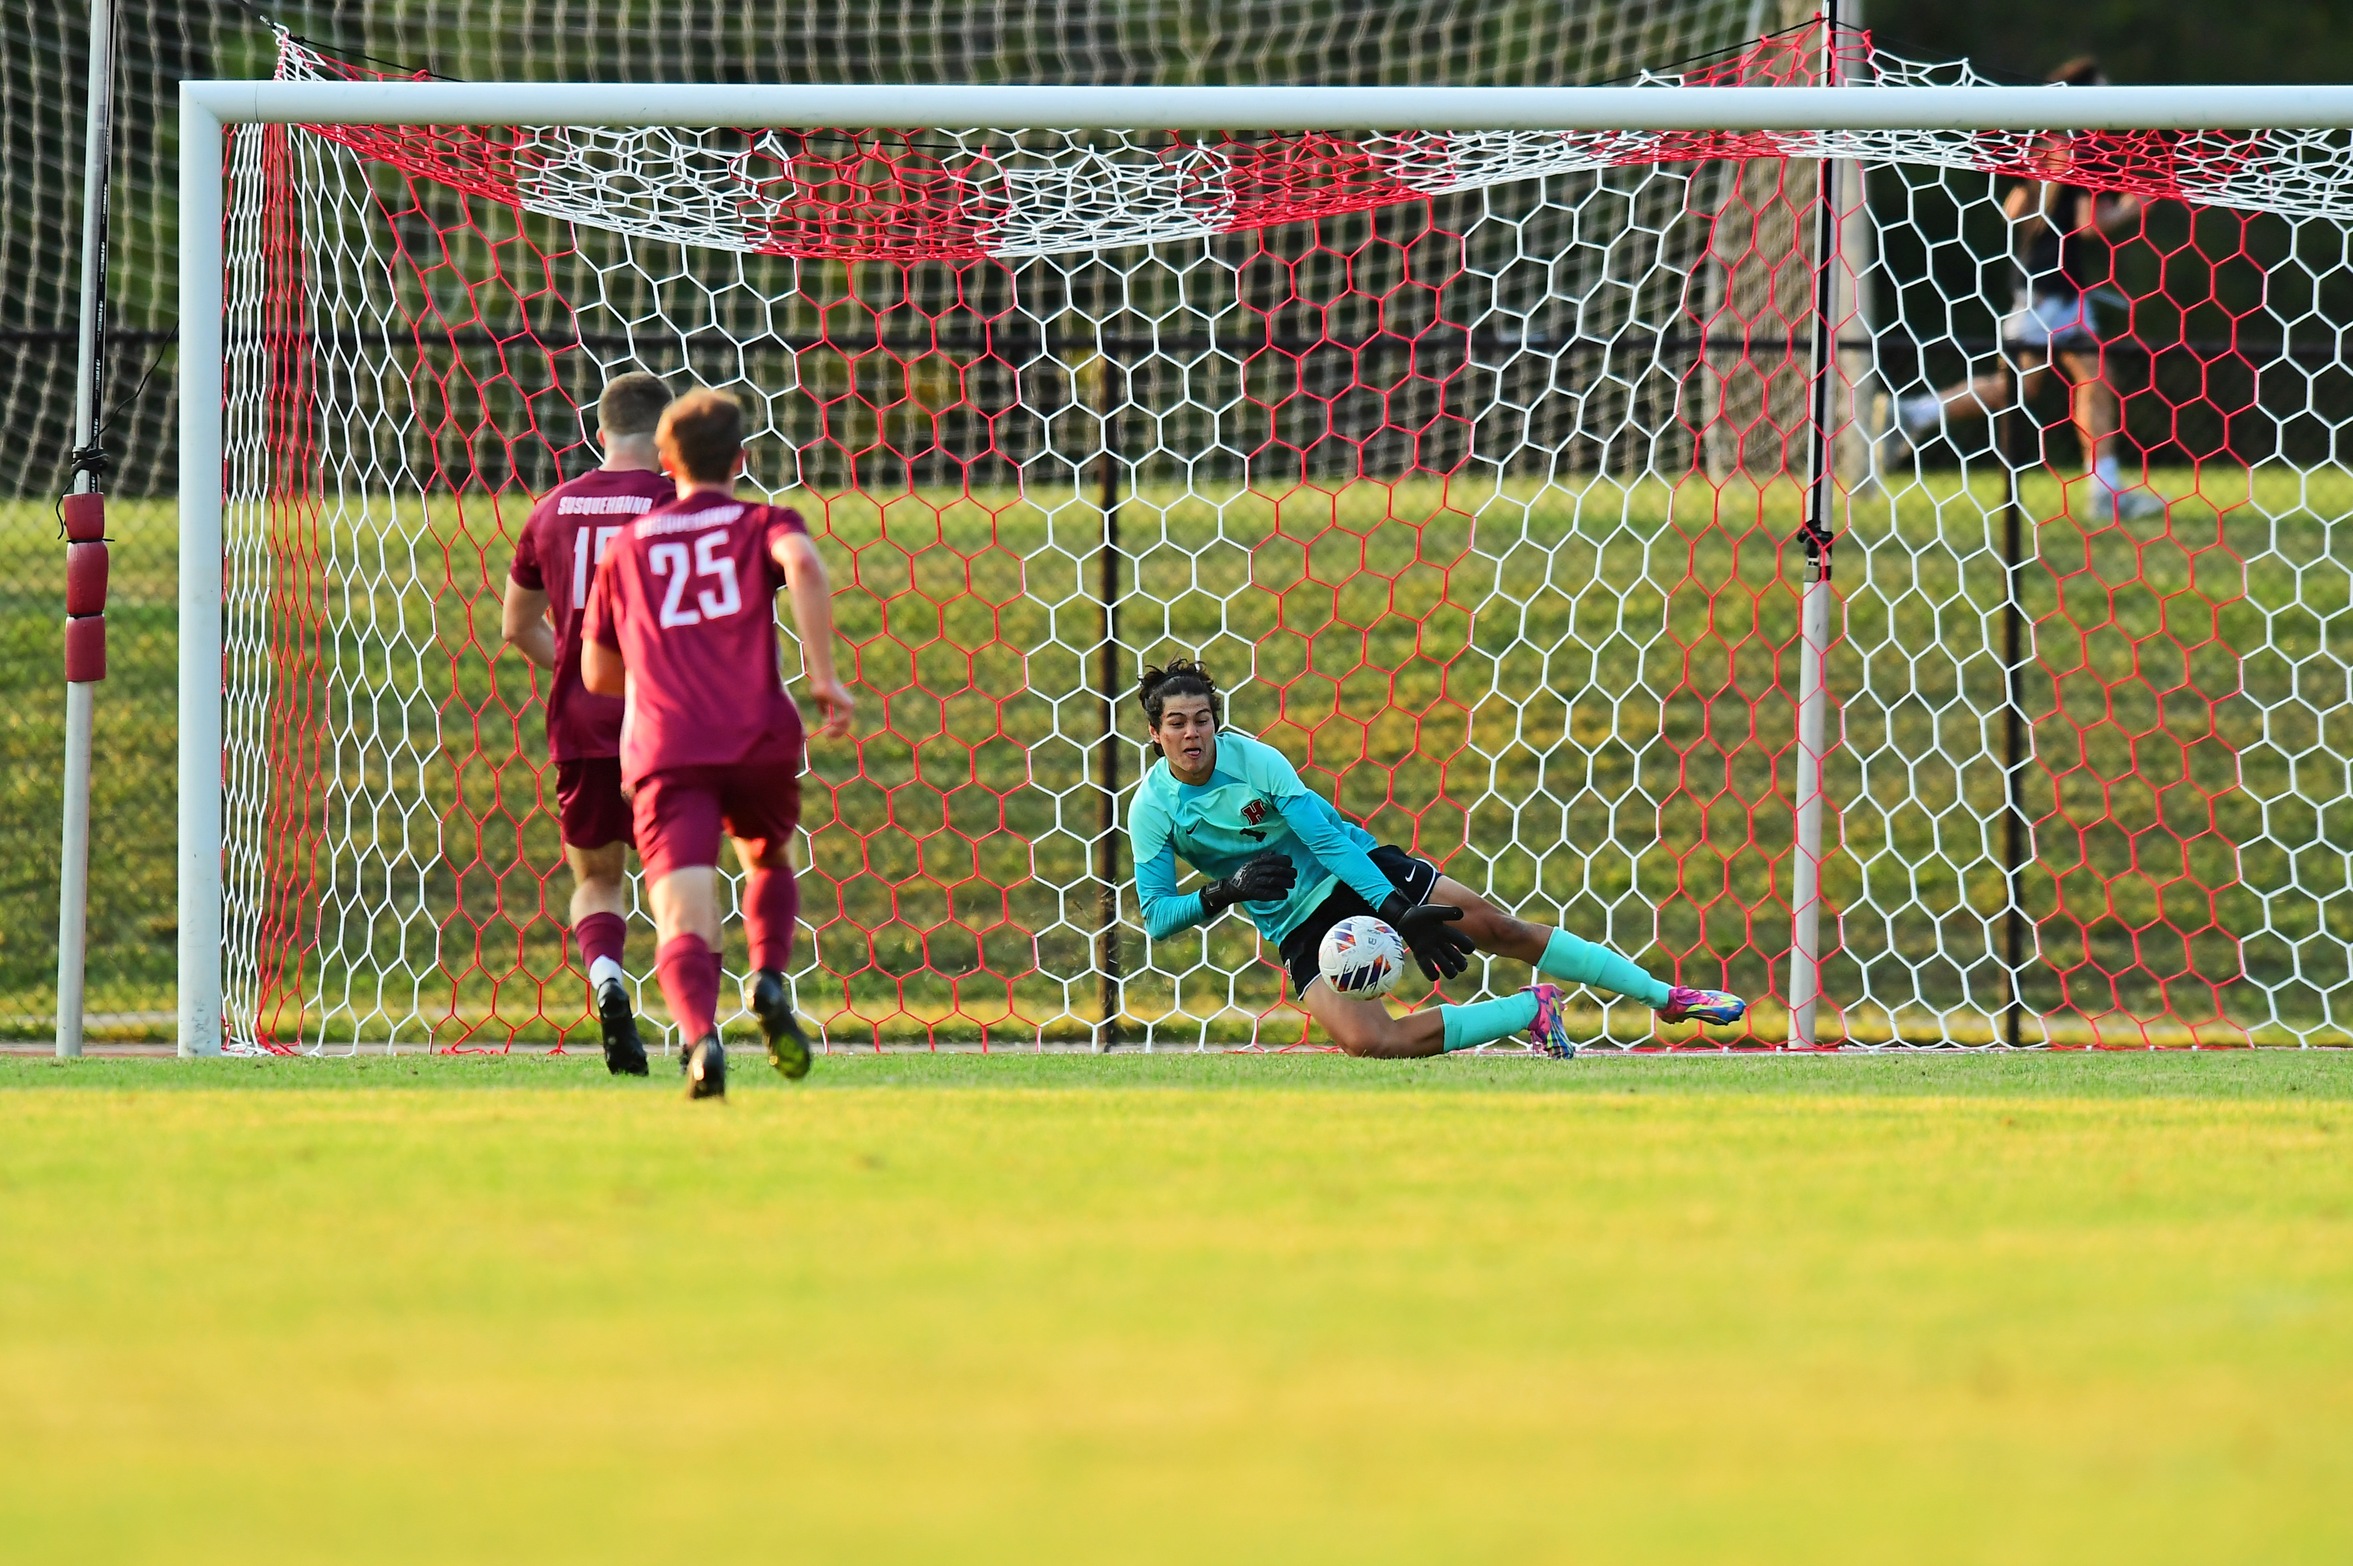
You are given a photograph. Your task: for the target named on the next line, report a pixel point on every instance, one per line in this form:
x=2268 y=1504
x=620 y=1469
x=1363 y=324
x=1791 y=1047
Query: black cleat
x=624 y=1050
x=788 y=1047
x=706 y=1068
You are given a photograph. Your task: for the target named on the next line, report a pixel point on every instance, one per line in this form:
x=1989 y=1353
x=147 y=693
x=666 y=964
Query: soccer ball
x=1362 y=957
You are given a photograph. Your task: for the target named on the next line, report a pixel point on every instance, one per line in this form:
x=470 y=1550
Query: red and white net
x=1473 y=463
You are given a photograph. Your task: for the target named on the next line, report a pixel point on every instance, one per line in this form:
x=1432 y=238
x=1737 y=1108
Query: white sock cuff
x=605 y=971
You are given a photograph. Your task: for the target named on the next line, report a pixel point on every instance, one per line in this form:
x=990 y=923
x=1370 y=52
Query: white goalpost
x=1483 y=434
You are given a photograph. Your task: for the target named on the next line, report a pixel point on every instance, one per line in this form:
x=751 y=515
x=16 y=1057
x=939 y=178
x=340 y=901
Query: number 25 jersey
x=688 y=595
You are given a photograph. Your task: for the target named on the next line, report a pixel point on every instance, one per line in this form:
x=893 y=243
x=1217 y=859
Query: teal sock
x=1483 y=1022
x=1581 y=962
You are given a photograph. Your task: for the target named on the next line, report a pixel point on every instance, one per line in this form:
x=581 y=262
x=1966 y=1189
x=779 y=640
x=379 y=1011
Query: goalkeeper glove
x=1442 y=952
x=1271 y=874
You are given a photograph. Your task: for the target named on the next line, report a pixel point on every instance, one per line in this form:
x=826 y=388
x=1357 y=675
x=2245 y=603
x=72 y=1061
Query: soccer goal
x=1543 y=469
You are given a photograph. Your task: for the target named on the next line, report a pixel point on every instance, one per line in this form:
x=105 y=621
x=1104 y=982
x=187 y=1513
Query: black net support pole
x=2010 y=425
x=1108 y=974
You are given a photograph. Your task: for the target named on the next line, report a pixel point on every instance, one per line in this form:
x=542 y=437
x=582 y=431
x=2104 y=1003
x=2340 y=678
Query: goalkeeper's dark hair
x=2082 y=71
x=1179 y=677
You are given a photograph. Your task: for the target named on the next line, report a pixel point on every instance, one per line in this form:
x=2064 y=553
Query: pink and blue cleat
x=1717 y=1008
x=1550 y=1031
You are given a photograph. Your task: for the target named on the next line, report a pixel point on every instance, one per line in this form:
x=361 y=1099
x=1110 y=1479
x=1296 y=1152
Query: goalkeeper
x=1234 y=809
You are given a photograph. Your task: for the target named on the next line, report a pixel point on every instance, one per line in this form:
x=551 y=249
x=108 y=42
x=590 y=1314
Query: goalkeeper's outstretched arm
x=1166 y=910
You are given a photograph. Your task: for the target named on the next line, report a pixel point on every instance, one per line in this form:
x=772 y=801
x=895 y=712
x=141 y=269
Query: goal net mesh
x=157 y=43
x=1474 y=463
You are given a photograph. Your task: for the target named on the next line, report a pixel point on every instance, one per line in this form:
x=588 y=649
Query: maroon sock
x=771 y=907
x=689 y=972
x=601 y=935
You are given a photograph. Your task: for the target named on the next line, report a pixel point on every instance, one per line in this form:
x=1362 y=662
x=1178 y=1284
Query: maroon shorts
x=589 y=806
x=680 y=813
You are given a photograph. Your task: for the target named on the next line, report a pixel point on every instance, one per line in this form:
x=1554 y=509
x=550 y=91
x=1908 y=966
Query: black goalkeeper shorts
x=1302 y=949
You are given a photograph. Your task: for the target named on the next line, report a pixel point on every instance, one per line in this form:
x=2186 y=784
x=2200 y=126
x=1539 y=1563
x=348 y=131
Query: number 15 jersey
x=567 y=534
x=687 y=594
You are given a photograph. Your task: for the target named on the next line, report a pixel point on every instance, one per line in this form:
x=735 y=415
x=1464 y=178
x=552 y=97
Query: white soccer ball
x=1362 y=957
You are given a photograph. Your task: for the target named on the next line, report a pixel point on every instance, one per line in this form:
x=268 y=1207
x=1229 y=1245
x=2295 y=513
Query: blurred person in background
x=2062 y=235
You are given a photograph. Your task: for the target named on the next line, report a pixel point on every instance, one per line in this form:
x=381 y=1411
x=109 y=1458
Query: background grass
x=1287 y=1308
x=1579 y=698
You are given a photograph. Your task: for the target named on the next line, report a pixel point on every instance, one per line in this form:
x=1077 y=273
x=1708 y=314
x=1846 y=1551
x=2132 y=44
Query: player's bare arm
x=811 y=592
x=524 y=624
x=602 y=670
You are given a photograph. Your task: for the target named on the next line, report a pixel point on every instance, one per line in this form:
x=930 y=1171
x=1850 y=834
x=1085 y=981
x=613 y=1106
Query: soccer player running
x=555 y=560
x=2062 y=233
x=1234 y=809
x=682 y=623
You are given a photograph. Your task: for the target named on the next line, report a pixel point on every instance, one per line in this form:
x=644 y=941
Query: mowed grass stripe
x=1772 y=1321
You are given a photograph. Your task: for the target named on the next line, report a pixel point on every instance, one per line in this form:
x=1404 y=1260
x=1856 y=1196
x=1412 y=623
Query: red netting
x=1363 y=448
x=950 y=194
x=2139 y=700
x=296 y=657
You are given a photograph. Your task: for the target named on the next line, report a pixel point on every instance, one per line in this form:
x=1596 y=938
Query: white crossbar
x=1281 y=108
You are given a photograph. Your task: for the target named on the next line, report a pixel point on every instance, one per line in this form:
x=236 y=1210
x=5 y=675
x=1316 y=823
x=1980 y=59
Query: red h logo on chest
x=1254 y=812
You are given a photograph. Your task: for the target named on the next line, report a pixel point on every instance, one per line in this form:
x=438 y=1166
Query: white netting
x=1483 y=501
x=950 y=193
x=158 y=43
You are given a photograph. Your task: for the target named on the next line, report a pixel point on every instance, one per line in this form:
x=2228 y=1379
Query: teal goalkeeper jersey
x=1252 y=802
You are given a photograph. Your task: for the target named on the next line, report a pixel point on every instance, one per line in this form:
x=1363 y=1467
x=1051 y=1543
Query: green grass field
x=1281 y=1308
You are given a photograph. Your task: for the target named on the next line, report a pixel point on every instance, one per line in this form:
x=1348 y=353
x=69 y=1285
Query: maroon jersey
x=688 y=596
x=567 y=534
